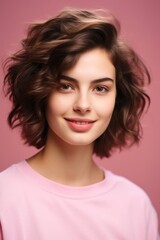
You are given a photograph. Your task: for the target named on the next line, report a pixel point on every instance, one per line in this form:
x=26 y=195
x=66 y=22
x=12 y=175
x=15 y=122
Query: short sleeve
x=152 y=224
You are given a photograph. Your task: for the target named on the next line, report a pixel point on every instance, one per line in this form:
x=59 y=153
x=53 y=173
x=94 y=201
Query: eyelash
x=67 y=87
x=64 y=87
x=102 y=89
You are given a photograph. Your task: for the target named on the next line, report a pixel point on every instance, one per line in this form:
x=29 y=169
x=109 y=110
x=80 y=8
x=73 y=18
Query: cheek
x=105 y=108
x=58 y=105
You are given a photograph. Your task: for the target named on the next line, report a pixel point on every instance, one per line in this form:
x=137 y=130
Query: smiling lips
x=79 y=125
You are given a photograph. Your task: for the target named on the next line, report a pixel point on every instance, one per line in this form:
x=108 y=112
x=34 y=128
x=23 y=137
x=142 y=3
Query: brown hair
x=53 y=46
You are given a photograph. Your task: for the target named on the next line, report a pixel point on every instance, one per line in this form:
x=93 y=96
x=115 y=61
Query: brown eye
x=65 y=87
x=101 y=89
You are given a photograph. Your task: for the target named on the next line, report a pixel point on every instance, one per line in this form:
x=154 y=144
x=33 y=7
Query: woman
x=77 y=90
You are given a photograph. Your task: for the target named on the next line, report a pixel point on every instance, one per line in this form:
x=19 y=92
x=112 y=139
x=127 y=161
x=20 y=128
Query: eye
x=101 y=89
x=65 y=87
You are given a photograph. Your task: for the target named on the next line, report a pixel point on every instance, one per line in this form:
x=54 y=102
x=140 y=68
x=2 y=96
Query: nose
x=82 y=103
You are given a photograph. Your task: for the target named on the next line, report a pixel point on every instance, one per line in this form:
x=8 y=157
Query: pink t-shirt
x=33 y=207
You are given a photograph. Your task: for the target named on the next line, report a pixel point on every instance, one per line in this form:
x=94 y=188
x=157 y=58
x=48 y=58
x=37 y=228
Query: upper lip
x=80 y=120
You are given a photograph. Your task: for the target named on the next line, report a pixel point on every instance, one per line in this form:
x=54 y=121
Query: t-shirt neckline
x=67 y=191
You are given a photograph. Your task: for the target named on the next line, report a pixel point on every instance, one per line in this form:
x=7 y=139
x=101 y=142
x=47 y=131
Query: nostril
x=81 y=108
x=82 y=102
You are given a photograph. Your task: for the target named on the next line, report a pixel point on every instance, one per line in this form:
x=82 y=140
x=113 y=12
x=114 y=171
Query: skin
x=78 y=112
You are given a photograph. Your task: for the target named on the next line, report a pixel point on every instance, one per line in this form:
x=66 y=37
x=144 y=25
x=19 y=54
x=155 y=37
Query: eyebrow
x=93 y=81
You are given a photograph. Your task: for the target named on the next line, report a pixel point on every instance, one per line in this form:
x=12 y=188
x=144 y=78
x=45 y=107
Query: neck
x=67 y=164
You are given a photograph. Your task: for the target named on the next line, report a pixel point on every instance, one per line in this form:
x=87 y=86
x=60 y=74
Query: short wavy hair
x=54 y=46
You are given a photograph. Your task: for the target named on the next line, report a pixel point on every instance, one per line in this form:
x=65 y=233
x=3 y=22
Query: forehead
x=92 y=64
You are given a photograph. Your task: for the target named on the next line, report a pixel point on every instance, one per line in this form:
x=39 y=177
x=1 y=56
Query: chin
x=80 y=141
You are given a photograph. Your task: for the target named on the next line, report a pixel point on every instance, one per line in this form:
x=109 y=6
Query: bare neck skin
x=66 y=164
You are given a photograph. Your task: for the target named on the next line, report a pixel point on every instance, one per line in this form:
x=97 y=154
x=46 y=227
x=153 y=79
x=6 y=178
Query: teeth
x=81 y=123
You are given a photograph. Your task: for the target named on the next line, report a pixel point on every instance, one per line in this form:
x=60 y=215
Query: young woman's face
x=80 y=109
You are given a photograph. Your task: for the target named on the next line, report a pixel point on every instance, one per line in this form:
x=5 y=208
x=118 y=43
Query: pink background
x=140 y=21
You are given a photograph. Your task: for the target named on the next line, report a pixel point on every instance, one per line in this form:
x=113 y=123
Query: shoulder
x=7 y=174
x=133 y=199
x=123 y=184
x=129 y=193
x=10 y=180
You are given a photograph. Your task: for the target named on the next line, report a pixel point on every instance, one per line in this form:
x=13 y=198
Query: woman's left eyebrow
x=93 y=81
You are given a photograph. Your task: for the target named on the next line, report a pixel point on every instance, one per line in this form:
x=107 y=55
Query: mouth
x=79 y=124
x=80 y=121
